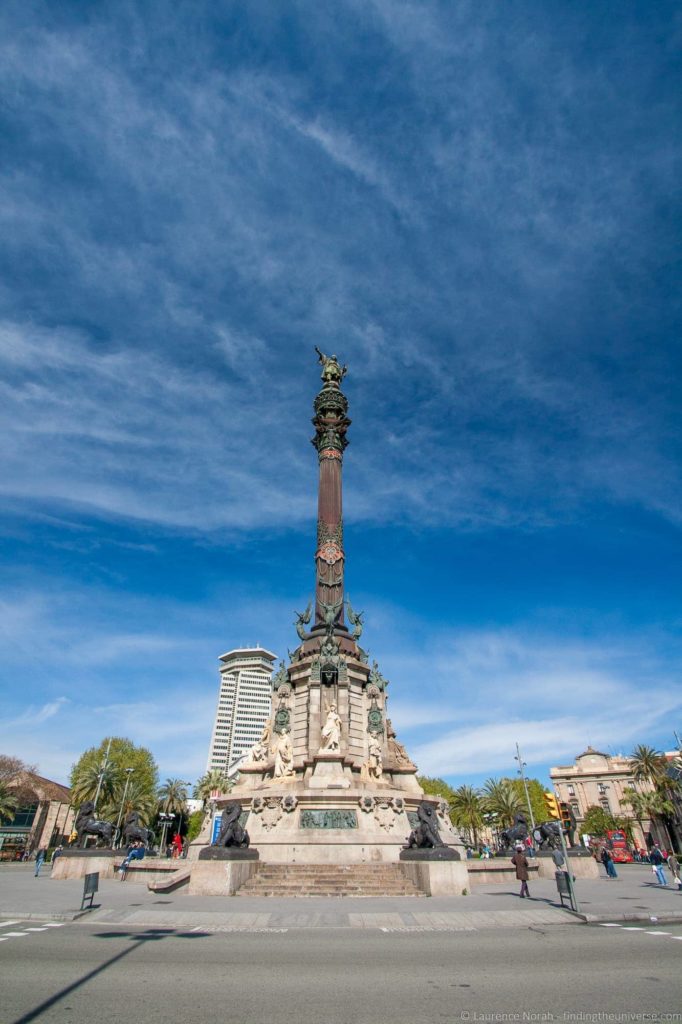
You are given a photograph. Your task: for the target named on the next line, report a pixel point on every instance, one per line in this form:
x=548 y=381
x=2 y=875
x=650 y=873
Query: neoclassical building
x=597 y=779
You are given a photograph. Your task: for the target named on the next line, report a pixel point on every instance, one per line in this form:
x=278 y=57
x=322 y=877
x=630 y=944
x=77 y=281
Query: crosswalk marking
x=8 y=924
x=43 y=929
x=14 y=935
x=638 y=928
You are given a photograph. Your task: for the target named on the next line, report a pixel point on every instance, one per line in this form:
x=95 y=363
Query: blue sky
x=473 y=204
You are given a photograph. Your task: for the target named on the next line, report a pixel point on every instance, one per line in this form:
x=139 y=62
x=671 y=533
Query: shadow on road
x=138 y=939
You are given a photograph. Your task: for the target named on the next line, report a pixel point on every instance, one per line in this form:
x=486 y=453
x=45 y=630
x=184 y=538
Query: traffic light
x=567 y=819
x=552 y=805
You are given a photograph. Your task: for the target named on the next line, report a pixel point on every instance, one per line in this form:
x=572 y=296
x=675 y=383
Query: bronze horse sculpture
x=517 y=833
x=87 y=824
x=133 y=831
x=546 y=835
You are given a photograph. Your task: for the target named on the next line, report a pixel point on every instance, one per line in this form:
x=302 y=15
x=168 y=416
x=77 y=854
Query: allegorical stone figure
x=375 y=760
x=331 y=732
x=395 y=749
x=259 y=751
x=284 y=757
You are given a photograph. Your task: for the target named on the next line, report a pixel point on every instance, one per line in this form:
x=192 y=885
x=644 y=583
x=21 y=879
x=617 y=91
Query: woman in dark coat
x=520 y=862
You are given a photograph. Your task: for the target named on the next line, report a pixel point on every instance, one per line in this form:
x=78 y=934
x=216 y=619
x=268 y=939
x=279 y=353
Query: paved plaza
x=633 y=897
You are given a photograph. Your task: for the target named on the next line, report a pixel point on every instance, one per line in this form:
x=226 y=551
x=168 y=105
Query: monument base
x=580 y=866
x=328 y=772
x=224 y=853
x=431 y=854
x=220 y=877
x=89 y=851
x=78 y=863
x=437 y=877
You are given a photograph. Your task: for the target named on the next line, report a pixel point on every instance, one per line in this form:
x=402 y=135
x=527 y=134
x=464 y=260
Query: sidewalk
x=632 y=897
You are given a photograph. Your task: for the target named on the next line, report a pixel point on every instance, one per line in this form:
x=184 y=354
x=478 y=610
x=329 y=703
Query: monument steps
x=329 y=880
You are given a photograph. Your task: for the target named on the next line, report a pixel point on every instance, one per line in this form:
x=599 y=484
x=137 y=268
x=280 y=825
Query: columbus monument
x=328 y=782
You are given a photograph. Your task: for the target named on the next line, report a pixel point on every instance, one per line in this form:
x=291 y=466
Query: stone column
x=331 y=423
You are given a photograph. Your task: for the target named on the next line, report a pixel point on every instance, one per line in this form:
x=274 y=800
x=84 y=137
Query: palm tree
x=648 y=765
x=8 y=802
x=213 y=781
x=86 y=782
x=467 y=810
x=137 y=798
x=173 y=796
x=653 y=804
x=501 y=799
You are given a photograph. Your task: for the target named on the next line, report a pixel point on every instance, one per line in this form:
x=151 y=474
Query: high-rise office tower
x=244 y=704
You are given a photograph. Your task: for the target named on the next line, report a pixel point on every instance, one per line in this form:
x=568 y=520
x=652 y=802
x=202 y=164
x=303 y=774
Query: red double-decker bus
x=617 y=843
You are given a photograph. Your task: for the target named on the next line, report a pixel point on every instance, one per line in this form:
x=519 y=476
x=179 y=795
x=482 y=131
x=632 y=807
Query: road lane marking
x=14 y=935
x=43 y=929
x=8 y=924
x=608 y=925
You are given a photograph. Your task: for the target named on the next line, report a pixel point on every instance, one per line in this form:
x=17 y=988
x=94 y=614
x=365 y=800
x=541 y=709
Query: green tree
x=214 y=780
x=123 y=754
x=651 y=766
x=173 y=796
x=502 y=801
x=648 y=765
x=194 y=824
x=536 y=792
x=467 y=811
x=653 y=804
x=8 y=802
x=598 y=821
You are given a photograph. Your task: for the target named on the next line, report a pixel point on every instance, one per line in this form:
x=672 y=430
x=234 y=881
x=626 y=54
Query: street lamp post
x=129 y=772
x=102 y=770
x=522 y=765
x=166 y=819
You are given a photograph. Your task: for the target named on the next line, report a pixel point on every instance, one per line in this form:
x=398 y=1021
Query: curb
x=7 y=915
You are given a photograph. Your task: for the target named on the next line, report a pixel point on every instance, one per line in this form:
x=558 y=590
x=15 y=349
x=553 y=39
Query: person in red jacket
x=177 y=844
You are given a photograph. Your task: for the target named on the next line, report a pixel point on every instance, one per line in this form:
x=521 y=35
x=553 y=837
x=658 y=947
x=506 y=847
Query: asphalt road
x=77 y=973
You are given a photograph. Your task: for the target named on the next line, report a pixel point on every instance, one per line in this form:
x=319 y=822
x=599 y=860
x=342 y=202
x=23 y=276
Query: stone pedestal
x=328 y=772
x=431 y=854
x=220 y=877
x=580 y=865
x=78 y=863
x=224 y=853
x=438 y=877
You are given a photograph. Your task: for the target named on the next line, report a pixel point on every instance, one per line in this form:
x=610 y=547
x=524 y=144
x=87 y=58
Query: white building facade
x=244 y=704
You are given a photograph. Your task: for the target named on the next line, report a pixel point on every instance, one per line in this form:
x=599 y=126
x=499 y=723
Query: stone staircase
x=329 y=880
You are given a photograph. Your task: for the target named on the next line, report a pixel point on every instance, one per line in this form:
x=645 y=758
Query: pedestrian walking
x=40 y=860
x=656 y=860
x=674 y=865
x=607 y=861
x=520 y=862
